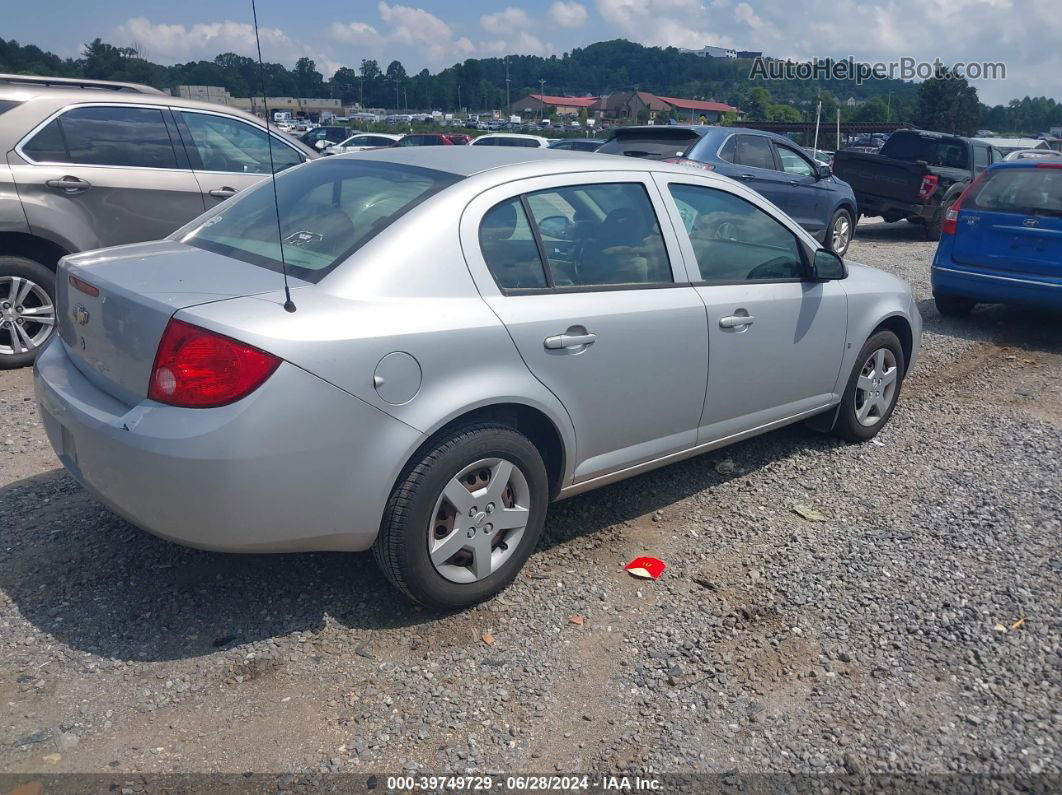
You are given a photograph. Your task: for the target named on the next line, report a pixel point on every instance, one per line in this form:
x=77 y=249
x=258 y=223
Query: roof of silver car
x=76 y=83
x=468 y=160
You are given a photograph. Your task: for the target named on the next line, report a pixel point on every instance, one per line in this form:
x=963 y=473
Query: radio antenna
x=289 y=305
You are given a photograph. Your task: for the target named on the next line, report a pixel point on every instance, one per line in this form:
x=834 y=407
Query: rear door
x=584 y=272
x=228 y=154
x=755 y=163
x=1012 y=222
x=99 y=175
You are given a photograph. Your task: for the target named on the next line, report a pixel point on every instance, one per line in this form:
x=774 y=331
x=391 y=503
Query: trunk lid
x=1012 y=222
x=113 y=305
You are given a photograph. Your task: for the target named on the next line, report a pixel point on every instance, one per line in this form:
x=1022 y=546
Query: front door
x=102 y=175
x=775 y=338
x=592 y=290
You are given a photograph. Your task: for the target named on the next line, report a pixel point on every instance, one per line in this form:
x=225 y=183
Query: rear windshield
x=653 y=144
x=328 y=210
x=1026 y=191
x=947 y=152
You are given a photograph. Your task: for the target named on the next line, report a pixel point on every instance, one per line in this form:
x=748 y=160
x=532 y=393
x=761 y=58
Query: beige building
x=296 y=106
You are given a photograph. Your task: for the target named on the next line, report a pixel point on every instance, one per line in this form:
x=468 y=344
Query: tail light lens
x=198 y=369
x=929 y=184
x=685 y=161
x=951 y=217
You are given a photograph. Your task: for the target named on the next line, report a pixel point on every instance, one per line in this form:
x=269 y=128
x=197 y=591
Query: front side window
x=327 y=212
x=105 y=136
x=485 y=142
x=792 y=163
x=735 y=241
x=589 y=236
x=230 y=145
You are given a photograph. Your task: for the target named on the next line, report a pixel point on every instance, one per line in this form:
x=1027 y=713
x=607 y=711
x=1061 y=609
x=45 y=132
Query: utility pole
x=396 y=95
x=541 y=91
x=508 y=102
x=888 y=109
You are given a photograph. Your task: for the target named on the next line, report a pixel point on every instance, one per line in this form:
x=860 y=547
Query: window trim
x=544 y=259
x=18 y=148
x=801 y=246
x=190 y=144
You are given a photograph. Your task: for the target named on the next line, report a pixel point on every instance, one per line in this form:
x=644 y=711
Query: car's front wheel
x=464 y=516
x=839 y=236
x=27 y=310
x=873 y=388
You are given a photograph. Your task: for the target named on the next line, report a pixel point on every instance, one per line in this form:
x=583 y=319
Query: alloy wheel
x=841 y=233
x=27 y=315
x=479 y=520
x=876 y=387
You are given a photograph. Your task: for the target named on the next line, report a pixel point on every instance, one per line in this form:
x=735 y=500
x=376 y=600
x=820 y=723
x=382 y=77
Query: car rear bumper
x=996 y=287
x=298 y=465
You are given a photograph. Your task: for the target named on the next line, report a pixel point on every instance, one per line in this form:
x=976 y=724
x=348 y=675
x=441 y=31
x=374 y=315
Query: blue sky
x=1025 y=34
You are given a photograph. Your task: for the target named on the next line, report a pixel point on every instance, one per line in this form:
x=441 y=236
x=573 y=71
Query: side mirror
x=322 y=144
x=825 y=171
x=827 y=266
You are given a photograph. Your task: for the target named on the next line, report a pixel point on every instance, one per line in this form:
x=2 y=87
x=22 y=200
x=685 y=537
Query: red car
x=432 y=139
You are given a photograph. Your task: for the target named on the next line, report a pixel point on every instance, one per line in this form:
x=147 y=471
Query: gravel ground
x=916 y=629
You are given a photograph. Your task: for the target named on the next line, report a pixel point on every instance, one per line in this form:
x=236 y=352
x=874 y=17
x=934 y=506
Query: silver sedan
x=475 y=333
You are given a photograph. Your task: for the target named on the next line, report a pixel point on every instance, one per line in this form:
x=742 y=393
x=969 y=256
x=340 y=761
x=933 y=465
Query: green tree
x=344 y=85
x=875 y=110
x=308 y=81
x=948 y=104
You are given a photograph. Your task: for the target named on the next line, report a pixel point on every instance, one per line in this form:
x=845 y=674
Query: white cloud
x=504 y=22
x=203 y=39
x=406 y=27
x=568 y=15
x=354 y=32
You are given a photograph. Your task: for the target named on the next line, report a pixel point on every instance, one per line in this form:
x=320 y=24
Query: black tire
x=953 y=305
x=21 y=267
x=841 y=250
x=848 y=425
x=401 y=549
x=934 y=223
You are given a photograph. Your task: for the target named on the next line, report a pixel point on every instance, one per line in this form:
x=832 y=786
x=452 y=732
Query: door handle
x=795 y=182
x=746 y=176
x=736 y=321
x=69 y=184
x=562 y=341
x=223 y=193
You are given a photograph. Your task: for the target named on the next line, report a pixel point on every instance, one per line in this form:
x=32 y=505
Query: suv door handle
x=746 y=176
x=736 y=321
x=223 y=193
x=68 y=184
x=562 y=341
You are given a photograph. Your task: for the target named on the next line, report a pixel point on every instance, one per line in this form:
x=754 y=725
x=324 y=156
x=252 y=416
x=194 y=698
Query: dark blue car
x=769 y=164
x=1001 y=240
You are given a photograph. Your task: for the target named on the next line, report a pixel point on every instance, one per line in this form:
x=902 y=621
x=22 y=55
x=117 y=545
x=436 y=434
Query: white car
x=511 y=139
x=360 y=142
x=1033 y=154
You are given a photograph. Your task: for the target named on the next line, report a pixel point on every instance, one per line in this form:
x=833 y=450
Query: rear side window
x=735 y=241
x=749 y=150
x=106 y=136
x=1025 y=191
x=584 y=236
x=516 y=142
x=327 y=212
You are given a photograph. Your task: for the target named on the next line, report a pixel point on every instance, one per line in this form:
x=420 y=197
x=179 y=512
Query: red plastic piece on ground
x=646 y=568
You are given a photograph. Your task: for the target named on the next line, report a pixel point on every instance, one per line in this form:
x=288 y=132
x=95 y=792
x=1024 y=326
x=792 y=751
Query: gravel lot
x=887 y=637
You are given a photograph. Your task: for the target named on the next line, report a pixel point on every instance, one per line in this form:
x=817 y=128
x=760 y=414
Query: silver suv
x=88 y=164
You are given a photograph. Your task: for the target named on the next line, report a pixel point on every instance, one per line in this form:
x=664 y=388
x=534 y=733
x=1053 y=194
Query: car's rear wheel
x=27 y=310
x=873 y=388
x=464 y=517
x=953 y=305
x=839 y=236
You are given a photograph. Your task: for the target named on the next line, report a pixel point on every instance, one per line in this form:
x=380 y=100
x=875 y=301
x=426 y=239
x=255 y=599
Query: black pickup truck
x=916 y=175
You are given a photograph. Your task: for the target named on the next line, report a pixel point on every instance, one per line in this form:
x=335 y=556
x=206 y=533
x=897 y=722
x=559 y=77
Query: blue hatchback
x=1001 y=240
x=770 y=164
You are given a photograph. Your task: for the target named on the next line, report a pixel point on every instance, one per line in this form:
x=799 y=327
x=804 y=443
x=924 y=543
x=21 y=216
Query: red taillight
x=951 y=217
x=685 y=161
x=198 y=369
x=1048 y=165
x=929 y=184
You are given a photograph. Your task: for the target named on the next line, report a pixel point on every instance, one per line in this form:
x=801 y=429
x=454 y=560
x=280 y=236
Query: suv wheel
x=839 y=235
x=464 y=517
x=27 y=310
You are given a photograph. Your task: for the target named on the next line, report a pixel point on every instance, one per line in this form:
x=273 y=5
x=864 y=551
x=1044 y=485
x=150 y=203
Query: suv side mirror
x=825 y=171
x=827 y=266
